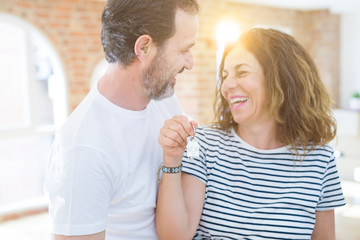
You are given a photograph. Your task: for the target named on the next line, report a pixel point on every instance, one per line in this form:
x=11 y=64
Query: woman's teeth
x=238 y=99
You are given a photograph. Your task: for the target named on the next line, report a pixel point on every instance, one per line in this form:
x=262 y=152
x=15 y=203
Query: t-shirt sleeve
x=197 y=166
x=79 y=191
x=331 y=192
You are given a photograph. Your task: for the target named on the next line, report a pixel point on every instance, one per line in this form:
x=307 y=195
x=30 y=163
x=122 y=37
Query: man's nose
x=189 y=61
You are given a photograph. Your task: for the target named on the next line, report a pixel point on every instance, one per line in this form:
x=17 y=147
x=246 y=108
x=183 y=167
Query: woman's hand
x=181 y=196
x=172 y=138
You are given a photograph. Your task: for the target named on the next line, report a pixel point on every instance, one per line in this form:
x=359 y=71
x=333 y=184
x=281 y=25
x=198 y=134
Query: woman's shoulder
x=325 y=150
x=213 y=132
x=321 y=153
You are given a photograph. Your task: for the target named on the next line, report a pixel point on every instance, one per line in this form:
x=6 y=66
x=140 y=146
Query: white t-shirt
x=102 y=173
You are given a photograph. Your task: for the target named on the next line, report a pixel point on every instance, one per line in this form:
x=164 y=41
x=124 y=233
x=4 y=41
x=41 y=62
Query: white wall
x=349 y=11
x=349 y=56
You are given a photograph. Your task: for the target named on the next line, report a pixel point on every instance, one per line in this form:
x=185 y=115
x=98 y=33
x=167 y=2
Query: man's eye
x=183 y=51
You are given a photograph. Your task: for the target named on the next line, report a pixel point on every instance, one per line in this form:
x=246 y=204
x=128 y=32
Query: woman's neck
x=261 y=136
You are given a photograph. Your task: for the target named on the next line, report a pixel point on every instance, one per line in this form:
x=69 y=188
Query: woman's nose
x=228 y=83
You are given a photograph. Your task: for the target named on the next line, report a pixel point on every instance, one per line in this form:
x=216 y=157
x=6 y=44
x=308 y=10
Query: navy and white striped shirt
x=261 y=194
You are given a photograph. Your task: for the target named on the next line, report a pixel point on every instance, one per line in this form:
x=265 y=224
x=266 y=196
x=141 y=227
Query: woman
x=264 y=170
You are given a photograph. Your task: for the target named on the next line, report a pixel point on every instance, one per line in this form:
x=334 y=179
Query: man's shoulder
x=88 y=127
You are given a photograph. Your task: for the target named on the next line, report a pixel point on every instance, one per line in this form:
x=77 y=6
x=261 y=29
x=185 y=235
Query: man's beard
x=157 y=83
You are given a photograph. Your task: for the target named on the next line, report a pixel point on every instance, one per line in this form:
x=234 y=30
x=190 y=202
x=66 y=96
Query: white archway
x=33 y=105
x=98 y=72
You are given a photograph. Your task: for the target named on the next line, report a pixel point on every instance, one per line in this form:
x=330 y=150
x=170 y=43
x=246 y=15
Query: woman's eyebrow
x=241 y=65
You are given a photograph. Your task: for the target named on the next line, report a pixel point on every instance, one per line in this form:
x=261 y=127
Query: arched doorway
x=33 y=104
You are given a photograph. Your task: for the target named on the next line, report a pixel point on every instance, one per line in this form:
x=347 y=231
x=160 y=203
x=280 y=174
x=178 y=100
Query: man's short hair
x=124 y=21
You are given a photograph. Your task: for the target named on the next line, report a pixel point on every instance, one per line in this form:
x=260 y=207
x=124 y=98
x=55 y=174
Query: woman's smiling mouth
x=237 y=101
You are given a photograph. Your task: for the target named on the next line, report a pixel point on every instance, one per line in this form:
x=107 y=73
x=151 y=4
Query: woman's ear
x=143 y=46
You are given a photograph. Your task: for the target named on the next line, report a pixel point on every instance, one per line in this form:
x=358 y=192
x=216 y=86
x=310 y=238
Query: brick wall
x=73 y=27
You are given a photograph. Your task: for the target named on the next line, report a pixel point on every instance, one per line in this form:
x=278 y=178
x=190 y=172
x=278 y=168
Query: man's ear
x=143 y=46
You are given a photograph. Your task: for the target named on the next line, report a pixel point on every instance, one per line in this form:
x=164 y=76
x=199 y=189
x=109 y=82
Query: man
x=102 y=175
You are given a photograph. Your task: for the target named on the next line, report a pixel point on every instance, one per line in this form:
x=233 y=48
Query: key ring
x=192 y=137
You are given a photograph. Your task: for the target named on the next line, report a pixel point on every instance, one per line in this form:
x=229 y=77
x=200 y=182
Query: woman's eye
x=241 y=73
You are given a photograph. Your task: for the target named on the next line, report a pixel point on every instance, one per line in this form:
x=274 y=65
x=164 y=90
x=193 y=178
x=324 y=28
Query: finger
x=195 y=125
x=166 y=142
x=187 y=128
x=176 y=124
x=172 y=135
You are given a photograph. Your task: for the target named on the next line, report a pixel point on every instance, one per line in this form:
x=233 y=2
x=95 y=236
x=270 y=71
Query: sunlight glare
x=227 y=31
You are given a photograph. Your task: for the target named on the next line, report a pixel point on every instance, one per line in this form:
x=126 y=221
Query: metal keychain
x=192 y=147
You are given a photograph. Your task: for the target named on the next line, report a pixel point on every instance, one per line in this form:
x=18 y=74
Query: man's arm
x=96 y=236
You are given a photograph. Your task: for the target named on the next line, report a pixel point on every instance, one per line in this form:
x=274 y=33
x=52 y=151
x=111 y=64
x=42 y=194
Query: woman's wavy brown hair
x=298 y=99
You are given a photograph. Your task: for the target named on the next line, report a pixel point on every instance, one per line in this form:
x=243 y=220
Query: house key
x=192 y=147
